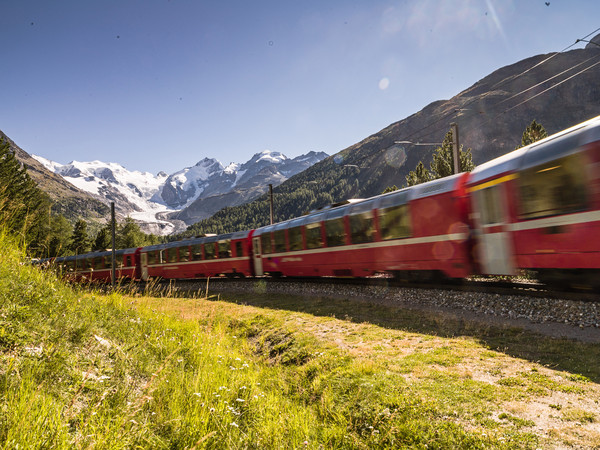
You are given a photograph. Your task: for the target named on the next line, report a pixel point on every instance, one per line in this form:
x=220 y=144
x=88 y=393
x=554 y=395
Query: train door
x=144 y=264
x=494 y=241
x=256 y=255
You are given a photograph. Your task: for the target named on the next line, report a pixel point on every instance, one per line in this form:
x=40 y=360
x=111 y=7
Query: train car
x=97 y=266
x=210 y=256
x=417 y=232
x=538 y=208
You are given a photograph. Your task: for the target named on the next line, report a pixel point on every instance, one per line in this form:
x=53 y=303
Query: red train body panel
x=198 y=258
x=535 y=208
x=97 y=266
x=400 y=231
x=538 y=207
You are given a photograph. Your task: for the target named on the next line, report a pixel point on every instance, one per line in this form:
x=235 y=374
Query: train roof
x=199 y=240
x=123 y=251
x=553 y=147
x=399 y=197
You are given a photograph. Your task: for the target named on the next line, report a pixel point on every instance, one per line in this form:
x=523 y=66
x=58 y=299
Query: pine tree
x=57 y=242
x=442 y=164
x=533 y=133
x=103 y=240
x=24 y=208
x=130 y=235
x=80 y=241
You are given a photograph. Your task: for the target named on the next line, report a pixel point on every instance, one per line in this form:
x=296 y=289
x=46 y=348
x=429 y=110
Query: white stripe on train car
x=176 y=265
x=569 y=219
x=390 y=243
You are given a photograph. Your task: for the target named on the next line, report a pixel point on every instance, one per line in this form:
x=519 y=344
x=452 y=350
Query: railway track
x=528 y=288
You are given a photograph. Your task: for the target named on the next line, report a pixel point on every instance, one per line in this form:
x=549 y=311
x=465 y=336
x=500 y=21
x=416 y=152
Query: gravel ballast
x=573 y=319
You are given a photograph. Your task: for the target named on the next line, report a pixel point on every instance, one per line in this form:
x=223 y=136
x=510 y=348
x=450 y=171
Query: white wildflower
x=104 y=342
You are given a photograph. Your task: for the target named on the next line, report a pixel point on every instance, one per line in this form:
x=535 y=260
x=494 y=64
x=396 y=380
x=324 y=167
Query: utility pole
x=454 y=128
x=271 y=201
x=112 y=226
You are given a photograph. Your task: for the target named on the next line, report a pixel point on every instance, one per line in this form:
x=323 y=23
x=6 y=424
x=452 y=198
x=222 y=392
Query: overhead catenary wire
x=550 y=88
x=546 y=80
x=453 y=113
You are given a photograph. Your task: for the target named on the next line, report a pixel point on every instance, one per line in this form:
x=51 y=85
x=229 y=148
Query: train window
x=197 y=252
x=239 y=249
x=265 y=243
x=490 y=205
x=118 y=260
x=184 y=253
x=151 y=257
x=171 y=255
x=225 y=249
x=334 y=232
x=394 y=222
x=362 y=227
x=557 y=187
x=314 y=239
x=295 y=238
x=209 y=251
x=279 y=238
x=97 y=262
x=108 y=261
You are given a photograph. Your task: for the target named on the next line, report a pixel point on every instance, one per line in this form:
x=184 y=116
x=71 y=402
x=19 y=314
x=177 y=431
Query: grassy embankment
x=82 y=370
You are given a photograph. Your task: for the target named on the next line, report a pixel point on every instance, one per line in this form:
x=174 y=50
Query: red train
x=536 y=208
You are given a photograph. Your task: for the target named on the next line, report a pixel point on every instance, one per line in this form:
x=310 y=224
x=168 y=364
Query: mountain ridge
x=163 y=204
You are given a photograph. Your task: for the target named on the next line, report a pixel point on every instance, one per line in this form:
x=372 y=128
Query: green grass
x=79 y=369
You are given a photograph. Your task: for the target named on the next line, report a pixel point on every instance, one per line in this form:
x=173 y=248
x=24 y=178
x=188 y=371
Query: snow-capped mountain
x=165 y=204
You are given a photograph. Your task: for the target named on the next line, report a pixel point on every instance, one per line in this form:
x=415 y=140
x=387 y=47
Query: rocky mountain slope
x=163 y=204
x=557 y=90
x=67 y=199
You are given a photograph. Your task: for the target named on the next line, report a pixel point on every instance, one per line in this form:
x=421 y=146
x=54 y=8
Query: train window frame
x=239 y=249
x=184 y=253
x=171 y=255
x=279 y=241
x=197 y=252
x=313 y=232
x=390 y=227
x=210 y=251
x=295 y=240
x=554 y=188
x=361 y=220
x=266 y=242
x=335 y=228
x=491 y=208
x=224 y=249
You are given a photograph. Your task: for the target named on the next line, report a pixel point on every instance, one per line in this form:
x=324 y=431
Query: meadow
x=82 y=368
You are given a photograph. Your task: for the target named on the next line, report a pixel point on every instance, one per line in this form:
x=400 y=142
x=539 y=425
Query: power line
x=550 y=88
x=546 y=80
x=453 y=113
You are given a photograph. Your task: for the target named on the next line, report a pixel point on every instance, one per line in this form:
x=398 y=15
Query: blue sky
x=160 y=84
